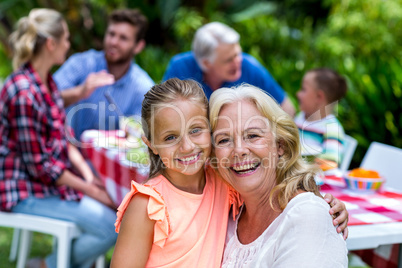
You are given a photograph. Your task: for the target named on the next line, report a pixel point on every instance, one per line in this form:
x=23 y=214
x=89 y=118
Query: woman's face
x=245 y=147
x=62 y=46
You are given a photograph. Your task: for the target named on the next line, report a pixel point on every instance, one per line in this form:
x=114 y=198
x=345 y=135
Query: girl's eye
x=195 y=130
x=170 y=138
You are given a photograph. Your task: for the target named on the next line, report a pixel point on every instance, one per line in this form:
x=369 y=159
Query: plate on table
x=334 y=177
x=116 y=142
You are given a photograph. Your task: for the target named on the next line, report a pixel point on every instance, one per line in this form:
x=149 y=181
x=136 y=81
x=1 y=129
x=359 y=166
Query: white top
x=302 y=236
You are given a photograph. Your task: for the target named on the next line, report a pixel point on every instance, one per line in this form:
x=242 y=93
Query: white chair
x=386 y=160
x=25 y=224
x=349 y=148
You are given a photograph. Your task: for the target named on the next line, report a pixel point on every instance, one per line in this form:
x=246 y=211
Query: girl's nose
x=186 y=144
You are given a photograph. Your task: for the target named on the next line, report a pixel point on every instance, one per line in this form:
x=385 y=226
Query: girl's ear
x=148 y=143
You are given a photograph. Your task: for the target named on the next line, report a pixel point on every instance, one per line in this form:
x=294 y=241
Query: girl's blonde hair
x=31 y=33
x=292 y=172
x=159 y=96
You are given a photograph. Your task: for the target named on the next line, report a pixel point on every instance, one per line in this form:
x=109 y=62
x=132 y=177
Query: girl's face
x=181 y=137
x=245 y=148
x=62 y=46
x=308 y=95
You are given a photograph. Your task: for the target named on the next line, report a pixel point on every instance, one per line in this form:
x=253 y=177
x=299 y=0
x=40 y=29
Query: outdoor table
x=111 y=164
x=375 y=217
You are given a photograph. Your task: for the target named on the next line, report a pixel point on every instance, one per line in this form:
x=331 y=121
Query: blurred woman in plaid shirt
x=41 y=173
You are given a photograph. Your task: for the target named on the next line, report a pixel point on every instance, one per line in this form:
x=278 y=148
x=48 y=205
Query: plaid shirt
x=33 y=144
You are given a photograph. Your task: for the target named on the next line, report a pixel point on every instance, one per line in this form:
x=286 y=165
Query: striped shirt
x=325 y=136
x=95 y=112
x=33 y=146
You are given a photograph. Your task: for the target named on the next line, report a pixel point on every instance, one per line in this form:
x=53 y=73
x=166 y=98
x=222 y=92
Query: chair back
x=386 y=160
x=349 y=147
x=64 y=231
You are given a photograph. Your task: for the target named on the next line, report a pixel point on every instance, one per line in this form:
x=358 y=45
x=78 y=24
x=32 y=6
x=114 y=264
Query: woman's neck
x=259 y=214
x=189 y=183
x=42 y=66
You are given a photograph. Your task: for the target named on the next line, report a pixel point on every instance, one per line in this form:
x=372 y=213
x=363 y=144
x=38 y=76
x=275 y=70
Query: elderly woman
x=40 y=172
x=284 y=221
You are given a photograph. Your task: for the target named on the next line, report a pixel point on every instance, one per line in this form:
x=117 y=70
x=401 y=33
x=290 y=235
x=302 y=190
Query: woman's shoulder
x=307 y=203
x=17 y=80
x=309 y=213
x=19 y=84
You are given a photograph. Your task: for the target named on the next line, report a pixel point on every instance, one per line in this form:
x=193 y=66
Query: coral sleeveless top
x=190 y=229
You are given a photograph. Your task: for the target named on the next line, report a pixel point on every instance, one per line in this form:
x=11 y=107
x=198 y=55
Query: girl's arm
x=136 y=234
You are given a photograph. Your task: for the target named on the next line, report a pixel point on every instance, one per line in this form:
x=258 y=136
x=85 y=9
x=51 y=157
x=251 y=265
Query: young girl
x=179 y=217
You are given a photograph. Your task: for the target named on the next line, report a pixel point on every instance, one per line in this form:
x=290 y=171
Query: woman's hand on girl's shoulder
x=339 y=213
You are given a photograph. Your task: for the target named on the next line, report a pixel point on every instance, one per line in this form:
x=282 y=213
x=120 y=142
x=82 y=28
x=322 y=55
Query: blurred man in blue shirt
x=216 y=61
x=93 y=83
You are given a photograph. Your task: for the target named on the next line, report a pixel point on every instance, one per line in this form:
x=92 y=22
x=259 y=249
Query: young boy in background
x=321 y=133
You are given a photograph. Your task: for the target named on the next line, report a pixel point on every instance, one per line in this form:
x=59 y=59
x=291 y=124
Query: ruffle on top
x=234 y=197
x=157 y=211
x=235 y=201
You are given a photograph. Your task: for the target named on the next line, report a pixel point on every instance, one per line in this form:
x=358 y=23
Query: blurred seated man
x=118 y=80
x=216 y=61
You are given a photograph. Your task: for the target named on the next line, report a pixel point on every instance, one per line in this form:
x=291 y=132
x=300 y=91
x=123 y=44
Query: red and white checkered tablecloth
x=369 y=207
x=111 y=163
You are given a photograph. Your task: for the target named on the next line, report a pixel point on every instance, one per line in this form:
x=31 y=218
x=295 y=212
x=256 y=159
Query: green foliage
x=154 y=59
x=360 y=39
x=363 y=41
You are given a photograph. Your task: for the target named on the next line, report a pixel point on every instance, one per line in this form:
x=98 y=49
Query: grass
x=42 y=246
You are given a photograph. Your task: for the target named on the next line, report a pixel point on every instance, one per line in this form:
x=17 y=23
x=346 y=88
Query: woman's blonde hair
x=292 y=172
x=159 y=96
x=31 y=33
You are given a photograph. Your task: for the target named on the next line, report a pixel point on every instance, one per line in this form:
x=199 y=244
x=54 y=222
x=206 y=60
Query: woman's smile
x=245 y=169
x=188 y=160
